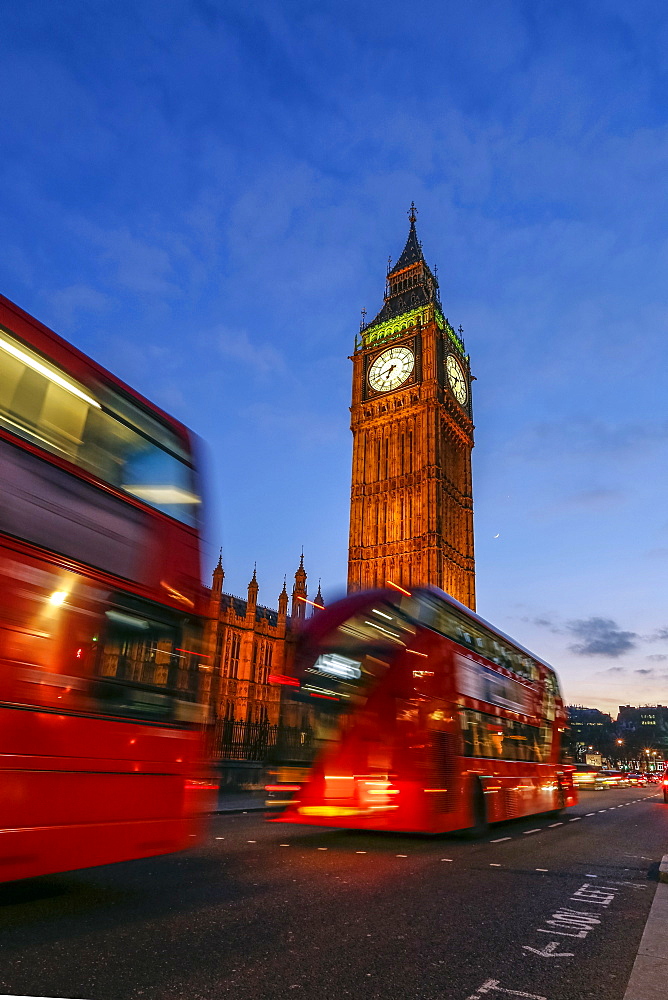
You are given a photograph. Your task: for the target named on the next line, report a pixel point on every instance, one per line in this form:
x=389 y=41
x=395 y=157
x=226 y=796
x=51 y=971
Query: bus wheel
x=479 y=809
x=561 y=798
x=561 y=802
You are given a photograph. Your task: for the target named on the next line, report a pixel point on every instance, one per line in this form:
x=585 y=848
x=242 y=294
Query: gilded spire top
x=412 y=252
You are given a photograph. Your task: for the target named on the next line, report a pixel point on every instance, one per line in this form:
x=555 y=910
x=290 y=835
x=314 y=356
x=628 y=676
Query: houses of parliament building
x=411 y=505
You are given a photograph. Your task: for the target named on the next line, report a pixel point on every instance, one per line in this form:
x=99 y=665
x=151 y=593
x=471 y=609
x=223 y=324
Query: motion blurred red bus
x=100 y=605
x=420 y=717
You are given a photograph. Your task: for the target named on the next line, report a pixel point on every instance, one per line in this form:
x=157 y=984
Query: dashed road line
x=502 y=840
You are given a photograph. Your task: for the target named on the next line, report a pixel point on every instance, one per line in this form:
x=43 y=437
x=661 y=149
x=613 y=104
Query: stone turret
x=299 y=592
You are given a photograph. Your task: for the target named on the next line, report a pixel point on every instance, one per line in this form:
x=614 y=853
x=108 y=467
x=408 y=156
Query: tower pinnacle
x=299 y=592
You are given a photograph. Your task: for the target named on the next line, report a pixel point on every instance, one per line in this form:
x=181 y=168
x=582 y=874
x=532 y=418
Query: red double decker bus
x=100 y=614
x=420 y=717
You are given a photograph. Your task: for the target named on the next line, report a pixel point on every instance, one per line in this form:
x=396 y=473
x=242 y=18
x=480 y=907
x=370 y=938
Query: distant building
x=590 y=727
x=247 y=642
x=645 y=727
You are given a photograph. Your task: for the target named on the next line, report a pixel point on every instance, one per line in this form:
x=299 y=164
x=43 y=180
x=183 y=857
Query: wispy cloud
x=596 y=636
x=68 y=303
x=600 y=637
x=596 y=499
x=237 y=345
x=589 y=437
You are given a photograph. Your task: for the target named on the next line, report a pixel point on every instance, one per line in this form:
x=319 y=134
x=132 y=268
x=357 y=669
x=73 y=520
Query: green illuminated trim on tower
x=392 y=329
x=443 y=324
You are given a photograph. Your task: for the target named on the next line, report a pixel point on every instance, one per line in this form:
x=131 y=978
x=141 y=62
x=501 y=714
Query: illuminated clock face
x=457 y=379
x=391 y=368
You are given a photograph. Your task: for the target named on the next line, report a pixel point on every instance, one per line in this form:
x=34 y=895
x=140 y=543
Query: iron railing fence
x=260 y=741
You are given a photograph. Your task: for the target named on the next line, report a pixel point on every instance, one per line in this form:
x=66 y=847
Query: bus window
x=144 y=670
x=113 y=439
x=503 y=739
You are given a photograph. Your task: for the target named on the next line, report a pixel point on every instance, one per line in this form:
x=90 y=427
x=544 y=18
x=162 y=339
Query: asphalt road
x=549 y=908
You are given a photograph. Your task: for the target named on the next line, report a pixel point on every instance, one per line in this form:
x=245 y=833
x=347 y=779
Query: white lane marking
x=603 y=810
x=567 y=921
x=493 y=984
x=581 y=922
x=537 y=830
x=322 y=848
x=360 y=852
x=220 y=838
x=541 y=869
x=549 y=951
x=401 y=855
x=591 y=814
x=494 y=865
x=556 y=824
x=500 y=840
x=283 y=845
x=588 y=875
x=591 y=895
x=575 y=819
x=633 y=885
x=251 y=841
x=446 y=859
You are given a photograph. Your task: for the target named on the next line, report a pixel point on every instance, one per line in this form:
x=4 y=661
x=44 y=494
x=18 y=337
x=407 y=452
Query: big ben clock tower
x=411 y=513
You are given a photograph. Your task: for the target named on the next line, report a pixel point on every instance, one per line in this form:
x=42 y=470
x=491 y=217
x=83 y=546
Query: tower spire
x=412 y=252
x=253 y=588
x=318 y=600
x=299 y=592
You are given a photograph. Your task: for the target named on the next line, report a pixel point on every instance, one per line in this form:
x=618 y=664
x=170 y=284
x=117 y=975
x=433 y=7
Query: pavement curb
x=240 y=809
x=649 y=976
x=663 y=869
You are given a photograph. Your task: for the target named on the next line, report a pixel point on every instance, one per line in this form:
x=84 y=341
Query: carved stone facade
x=411 y=513
x=247 y=642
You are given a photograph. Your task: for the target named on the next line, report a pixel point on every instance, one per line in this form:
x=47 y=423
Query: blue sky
x=203 y=195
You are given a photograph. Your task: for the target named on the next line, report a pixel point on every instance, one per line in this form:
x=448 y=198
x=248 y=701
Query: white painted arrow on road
x=549 y=951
